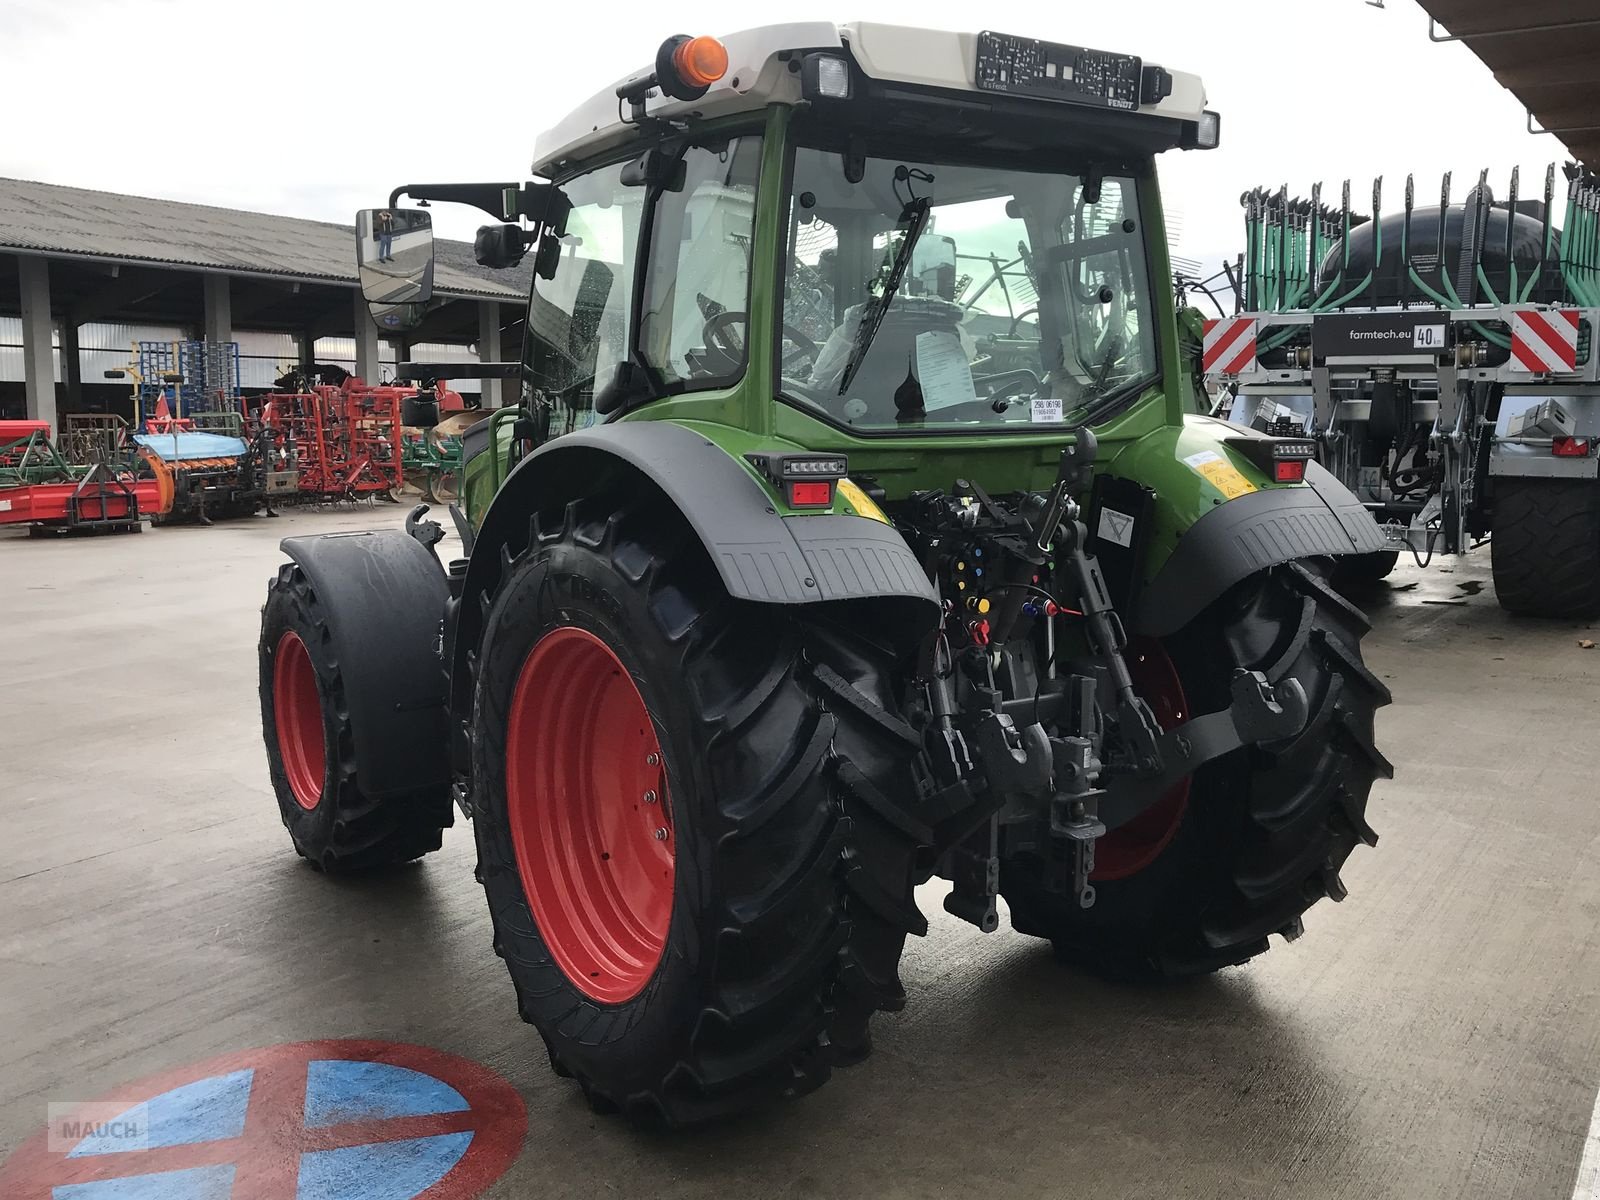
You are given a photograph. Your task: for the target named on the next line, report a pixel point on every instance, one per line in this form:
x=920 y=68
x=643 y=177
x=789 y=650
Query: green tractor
x=854 y=527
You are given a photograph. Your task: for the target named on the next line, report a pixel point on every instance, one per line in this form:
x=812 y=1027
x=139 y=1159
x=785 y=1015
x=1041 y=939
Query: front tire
x=334 y=824
x=1253 y=839
x=1545 y=549
x=782 y=782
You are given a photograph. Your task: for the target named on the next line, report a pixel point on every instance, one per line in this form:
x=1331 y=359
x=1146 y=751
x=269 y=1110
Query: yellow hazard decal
x=860 y=501
x=1220 y=474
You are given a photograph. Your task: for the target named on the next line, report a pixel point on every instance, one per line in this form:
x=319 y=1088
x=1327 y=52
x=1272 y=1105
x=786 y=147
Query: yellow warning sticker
x=1220 y=474
x=862 y=503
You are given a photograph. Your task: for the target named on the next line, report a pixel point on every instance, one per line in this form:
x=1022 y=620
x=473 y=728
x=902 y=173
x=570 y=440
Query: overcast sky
x=316 y=108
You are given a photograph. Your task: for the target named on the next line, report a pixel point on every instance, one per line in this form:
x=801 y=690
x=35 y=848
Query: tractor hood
x=763 y=68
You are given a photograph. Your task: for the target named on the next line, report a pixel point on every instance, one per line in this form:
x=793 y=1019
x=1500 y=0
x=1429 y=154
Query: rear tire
x=334 y=824
x=1546 y=547
x=1264 y=829
x=786 y=786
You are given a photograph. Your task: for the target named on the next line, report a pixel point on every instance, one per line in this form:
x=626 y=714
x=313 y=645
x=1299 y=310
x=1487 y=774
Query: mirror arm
x=502 y=201
x=490 y=197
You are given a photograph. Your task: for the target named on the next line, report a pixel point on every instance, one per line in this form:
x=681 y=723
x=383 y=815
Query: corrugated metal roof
x=49 y=218
x=1545 y=52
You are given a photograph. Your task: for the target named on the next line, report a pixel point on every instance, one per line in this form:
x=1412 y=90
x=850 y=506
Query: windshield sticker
x=943 y=370
x=1220 y=474
x=1046 y=410
x=1115 y=527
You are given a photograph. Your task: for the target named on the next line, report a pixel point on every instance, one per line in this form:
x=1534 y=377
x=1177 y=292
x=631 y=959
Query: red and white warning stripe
x=1230 y=346
x=1545 y=341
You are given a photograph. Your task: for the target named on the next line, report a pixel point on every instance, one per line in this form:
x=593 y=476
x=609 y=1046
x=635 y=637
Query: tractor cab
x=887 y=231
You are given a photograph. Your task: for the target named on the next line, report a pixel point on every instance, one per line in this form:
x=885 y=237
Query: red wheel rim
x=297 y=712
x=1133 y=847
x=586 y=798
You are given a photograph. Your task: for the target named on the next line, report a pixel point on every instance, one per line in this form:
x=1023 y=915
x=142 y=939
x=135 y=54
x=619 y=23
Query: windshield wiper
x=1103 y=375
x=914 y=216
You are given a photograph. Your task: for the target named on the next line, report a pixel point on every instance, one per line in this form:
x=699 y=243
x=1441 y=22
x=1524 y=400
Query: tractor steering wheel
x=728 y=346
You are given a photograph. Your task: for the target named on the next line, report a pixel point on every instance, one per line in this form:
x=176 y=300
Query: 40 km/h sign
x=334 y=1120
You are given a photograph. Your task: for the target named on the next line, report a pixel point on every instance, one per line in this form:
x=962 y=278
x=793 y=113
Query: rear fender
x=384 y=596
x=1215 y=519
x=760 y=555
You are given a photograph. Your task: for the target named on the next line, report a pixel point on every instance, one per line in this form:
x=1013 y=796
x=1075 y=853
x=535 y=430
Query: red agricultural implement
x=344 y=442
x=39 y=487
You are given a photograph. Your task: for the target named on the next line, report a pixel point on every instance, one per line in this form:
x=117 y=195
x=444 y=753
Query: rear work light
x=1204 y=134
x=807 y=480
x=825 y=77
x=1570 y=447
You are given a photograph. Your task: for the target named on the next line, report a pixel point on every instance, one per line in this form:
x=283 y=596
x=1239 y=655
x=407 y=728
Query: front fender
x=384 y=596
x=1215 y=519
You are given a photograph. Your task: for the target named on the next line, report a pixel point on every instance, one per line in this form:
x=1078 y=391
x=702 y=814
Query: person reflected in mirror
x=383 y=230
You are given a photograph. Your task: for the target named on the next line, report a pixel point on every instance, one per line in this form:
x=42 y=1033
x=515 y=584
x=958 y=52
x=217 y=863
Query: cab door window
x=578 y=320
x=694 y=326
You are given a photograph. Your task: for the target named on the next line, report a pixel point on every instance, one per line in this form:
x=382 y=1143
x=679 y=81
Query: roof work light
x=824 y=76
x=1204 y=134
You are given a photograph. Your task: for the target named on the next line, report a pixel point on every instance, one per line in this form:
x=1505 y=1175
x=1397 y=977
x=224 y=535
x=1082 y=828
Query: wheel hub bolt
x=650 y=797
x=661 y=835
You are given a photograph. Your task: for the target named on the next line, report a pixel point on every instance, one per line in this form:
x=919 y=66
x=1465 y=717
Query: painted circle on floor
x=332 y=1120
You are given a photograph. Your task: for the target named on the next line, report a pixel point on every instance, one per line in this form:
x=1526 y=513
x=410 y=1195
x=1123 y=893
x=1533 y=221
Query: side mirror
x=394 y=256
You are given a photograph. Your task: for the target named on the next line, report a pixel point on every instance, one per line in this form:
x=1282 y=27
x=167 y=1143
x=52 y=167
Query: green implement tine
x=1511 y=224
x=1283 y=245
x=1544 y=240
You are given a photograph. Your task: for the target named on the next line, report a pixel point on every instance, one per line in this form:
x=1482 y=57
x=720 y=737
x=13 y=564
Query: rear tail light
x=1570 y=447
x=1289 y=470
x=808 y=494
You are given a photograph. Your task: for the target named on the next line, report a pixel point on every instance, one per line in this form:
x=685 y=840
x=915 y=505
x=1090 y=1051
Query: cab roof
x=763 y=69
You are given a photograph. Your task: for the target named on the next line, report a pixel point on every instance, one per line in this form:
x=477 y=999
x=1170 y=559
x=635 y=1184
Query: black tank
x=1393 y=285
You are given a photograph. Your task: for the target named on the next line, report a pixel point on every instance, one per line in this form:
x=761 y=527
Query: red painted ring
x=297 y=713
x=590 y=818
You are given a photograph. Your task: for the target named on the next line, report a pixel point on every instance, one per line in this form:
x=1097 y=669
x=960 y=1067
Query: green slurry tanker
x=852 y=528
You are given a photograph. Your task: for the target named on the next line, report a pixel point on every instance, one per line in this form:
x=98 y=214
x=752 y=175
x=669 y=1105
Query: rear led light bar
x=806 y=480
x=1282 y=460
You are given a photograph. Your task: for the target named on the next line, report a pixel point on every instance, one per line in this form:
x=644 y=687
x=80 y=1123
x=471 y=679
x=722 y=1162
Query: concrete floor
x=1437 y=1035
